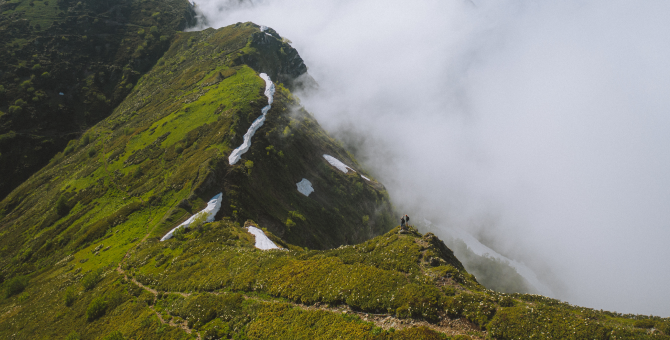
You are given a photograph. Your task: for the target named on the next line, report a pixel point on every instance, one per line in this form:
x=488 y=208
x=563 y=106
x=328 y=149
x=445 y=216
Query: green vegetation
x=91 y=279
x=367 y=277
x=71 y=47
x=96 y=308
x=115 y=335
x=62 y=208
x=70 y=296
x=73 y=336
x=15 y=286
x=126 y=177
x=79 y=241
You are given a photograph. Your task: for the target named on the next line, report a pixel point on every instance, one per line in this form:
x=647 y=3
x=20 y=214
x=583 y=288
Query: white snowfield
x=264 y=28
x=336 y=163
x=262 y=241
x=305 y=187
x=365 y=178
x=246 y=143
x=212 y=208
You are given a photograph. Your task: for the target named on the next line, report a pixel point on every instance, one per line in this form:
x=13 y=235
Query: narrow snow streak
x=246 y=144
x=336 y=163
x=212 y=208
x=262 y=241
x=365 y=178
x=305 y=187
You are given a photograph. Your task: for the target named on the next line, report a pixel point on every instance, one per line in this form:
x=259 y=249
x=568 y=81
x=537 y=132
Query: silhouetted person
x=402 y=223
x=407 y=220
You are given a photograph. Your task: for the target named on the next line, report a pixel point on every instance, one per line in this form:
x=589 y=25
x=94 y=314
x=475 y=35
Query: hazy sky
x=541 y=127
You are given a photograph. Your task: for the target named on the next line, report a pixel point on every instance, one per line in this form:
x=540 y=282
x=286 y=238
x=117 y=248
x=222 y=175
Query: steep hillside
x=164 y=153
x=80 y=241
x=65 y=65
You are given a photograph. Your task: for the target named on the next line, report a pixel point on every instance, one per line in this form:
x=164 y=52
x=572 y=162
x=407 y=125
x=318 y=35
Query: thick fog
x=540 y=127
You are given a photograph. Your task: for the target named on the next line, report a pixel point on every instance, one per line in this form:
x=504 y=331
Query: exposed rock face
x=276 y=57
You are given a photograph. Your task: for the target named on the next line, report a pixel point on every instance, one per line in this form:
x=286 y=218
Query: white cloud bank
x=543 y=128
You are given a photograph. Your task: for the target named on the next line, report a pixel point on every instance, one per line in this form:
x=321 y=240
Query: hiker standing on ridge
x=402 y=223
x=407 y=220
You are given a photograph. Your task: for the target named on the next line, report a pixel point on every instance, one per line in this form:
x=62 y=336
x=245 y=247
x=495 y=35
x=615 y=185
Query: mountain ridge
x=83 y=233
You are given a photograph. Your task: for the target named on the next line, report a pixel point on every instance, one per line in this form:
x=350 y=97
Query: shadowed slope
x=65 y=65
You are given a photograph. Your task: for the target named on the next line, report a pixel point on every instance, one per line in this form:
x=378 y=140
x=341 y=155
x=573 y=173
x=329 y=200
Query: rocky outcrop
x=271 y=54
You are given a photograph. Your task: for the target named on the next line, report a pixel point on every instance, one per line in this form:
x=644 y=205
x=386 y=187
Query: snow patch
x=269 y=88
x=262 y=241
x=246 y=143
x=339 y=165
x=212 y=208
x=365 y=178
x=305 y=187
x=264 y=28
x=61 y=93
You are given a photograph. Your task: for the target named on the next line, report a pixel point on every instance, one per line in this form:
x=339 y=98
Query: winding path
x=385 y=321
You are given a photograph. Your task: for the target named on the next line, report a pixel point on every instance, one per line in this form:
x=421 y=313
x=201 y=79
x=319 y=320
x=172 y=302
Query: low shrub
x=146 y=297
x=23 y=297
x=477 y=308
x=180 y=234
x=644 y=323
x=73 y=336
x=544 y=322
x=68 y=150
x=15 y=286
x=449 y=290
x=115 y=335
x=216 y=329
x=91 y=279
x=14 y=109
x=664 y=327
x=62 y=208
x=96 y=308
x=461 y=337
x=70 y=296
x=403 y=312
x=506 y=301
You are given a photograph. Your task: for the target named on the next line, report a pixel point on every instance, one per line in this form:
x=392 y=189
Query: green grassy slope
x=212 y=283
x=79 y=241
x=163 y=154
x=92 y=51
